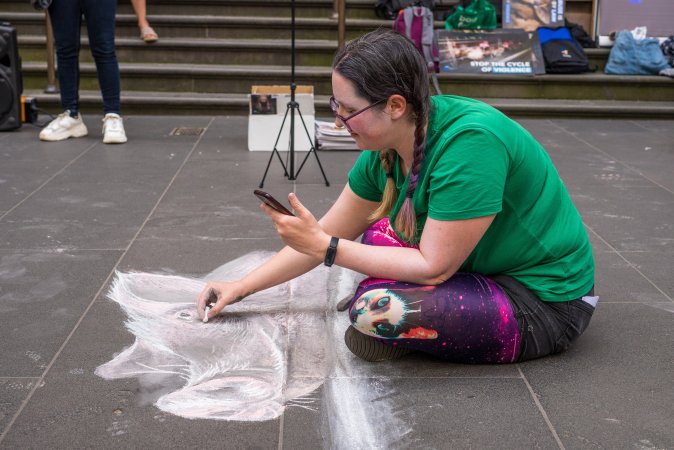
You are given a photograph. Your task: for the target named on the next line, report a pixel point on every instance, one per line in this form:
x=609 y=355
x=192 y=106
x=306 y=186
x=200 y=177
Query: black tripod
x=290 y=109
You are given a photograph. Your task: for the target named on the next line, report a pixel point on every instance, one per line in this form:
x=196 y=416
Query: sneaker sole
x=369 y=349
x=73 y=133
x=114 y=141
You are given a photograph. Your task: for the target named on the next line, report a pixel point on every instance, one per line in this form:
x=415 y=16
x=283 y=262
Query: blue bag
x=631 y=57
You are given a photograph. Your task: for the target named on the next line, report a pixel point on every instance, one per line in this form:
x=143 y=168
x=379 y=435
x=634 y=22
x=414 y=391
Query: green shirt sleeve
x=468 y=178
x=367 y=179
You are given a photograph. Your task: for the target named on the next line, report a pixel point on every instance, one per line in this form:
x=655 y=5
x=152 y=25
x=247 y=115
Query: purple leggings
x=467 y=319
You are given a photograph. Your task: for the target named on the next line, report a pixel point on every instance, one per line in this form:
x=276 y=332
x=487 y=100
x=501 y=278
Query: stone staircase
x=211 y=52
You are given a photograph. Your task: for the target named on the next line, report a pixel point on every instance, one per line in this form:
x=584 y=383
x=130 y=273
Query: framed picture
x=500 y=52
x=262 y=104
x=531 y=14
x=618 y=15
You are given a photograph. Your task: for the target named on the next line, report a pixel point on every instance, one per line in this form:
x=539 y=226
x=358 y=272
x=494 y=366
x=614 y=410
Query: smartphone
x=272 y=202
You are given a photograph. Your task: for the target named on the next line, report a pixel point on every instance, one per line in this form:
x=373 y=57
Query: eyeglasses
x=334 y=106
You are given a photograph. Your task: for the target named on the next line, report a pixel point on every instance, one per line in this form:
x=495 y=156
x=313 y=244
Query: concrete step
x=309 y=52
x=202 y=51
x=219 y=27
x=258 y=8
x=238 y=79
x=237 y=104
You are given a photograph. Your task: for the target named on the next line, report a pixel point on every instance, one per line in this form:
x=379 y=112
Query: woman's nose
x=339 y=123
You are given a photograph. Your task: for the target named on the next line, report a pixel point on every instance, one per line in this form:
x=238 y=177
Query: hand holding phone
x=270 y=201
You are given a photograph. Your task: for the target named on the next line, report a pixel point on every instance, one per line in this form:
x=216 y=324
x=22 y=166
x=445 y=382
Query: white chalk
x=208 y=308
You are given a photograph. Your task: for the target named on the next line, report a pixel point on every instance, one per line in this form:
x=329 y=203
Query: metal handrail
x=51 y=66
x=341 y=23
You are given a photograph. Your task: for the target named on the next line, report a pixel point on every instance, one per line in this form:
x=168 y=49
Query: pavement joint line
x=63 y=251
x=540 y=408
x=105 y=283
x=19 y=378
x=650 y=130
x=59 y=172
x=402 y=377
x=605 y=153
x=286 y=352
x=632 y=265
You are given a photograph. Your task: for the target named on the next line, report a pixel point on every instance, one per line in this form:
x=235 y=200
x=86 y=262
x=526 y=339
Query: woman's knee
x=103 y=50
x=386 y=313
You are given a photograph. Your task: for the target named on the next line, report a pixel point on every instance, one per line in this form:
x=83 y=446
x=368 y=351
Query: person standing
x=66 y=17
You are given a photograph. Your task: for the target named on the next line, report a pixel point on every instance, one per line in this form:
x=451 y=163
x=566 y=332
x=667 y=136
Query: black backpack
x=561 y=52
x=388 y=9
x=580 y=35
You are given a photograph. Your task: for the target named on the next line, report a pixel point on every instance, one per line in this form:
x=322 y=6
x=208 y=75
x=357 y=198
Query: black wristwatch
x=331 y=252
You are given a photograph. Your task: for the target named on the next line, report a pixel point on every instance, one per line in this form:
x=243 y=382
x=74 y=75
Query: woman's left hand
x=302 y=232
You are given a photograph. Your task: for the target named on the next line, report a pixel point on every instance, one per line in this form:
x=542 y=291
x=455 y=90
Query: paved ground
x=73 y=212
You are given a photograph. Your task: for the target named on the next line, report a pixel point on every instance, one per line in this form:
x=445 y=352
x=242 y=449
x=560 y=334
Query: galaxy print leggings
x=467 y=319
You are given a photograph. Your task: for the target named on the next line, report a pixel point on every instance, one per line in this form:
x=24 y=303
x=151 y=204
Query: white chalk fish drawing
x=247 y=364
x=270 y=351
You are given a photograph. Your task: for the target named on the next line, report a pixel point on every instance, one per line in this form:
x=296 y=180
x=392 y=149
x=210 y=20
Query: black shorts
x=545 y=327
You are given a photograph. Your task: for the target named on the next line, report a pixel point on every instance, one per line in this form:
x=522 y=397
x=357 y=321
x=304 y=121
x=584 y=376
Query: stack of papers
x=329 y=137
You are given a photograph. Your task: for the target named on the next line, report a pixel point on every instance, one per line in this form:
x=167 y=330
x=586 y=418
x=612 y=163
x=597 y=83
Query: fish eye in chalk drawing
x=185 y=315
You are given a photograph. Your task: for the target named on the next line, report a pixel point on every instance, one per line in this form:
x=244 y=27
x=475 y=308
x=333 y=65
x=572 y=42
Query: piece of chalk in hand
x=208 y=308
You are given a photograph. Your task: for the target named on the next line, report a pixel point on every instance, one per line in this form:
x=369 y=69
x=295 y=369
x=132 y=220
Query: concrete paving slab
x=619 y=279
x=13 y=391
x=118 y=413
x=613 y=389
x=99 y=202
x=625 y=144
x=42 y=296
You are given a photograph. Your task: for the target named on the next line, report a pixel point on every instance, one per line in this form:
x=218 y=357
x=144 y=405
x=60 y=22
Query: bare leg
x=139 y=7
x=146 y=32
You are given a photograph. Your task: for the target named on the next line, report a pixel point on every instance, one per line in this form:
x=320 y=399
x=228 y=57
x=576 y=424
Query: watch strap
x=331 y=252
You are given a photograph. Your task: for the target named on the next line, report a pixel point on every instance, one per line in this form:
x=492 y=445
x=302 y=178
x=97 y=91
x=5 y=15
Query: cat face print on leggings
x=389 y=314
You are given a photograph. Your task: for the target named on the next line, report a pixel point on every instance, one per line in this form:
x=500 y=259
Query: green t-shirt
x=479 y=162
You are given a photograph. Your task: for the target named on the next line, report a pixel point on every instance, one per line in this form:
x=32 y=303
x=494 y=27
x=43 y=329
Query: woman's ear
x=397 y=106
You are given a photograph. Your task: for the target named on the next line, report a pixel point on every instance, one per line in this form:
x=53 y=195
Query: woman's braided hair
x=380 y=64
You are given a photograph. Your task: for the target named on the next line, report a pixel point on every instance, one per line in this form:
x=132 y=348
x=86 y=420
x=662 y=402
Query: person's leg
x=546 y=327
x=100 y=16
x=140 y=8
x=66 y=19
x=467 y=319
x=146 y=32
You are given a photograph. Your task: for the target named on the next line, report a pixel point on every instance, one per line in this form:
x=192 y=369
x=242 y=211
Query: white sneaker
x=113 y=129
x=64 y=127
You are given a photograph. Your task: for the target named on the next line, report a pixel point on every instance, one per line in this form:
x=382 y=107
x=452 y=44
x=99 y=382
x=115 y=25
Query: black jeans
x=545 y=327
x=66 y=17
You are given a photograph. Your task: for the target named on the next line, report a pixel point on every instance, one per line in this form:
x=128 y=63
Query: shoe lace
x=56 y=123
x=112 y=123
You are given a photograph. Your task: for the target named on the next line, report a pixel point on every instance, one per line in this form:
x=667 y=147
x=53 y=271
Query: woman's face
x=370 y=129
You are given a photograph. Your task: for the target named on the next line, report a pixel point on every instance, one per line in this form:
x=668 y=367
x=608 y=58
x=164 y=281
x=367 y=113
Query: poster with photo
x=531 y=14
x=263 y=104
x=500 y=52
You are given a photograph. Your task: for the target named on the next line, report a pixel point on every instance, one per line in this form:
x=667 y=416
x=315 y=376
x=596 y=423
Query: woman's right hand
x=218 y=295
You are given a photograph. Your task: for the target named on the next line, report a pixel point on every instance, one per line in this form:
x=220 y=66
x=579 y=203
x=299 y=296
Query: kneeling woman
x=473 y=249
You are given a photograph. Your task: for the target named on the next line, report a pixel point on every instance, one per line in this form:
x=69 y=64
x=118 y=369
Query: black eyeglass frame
x=334 y=106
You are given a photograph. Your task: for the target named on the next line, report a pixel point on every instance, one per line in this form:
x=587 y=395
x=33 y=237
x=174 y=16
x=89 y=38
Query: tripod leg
x=275 y=151
x=312 y=149
x=285 y=172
